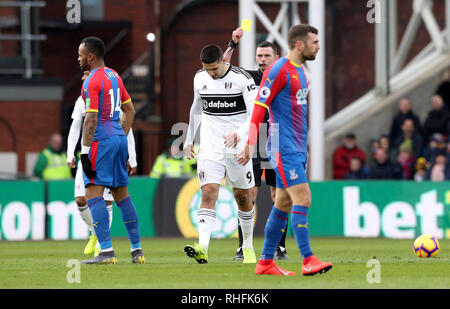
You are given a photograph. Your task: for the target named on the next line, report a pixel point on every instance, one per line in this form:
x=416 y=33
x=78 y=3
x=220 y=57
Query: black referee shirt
x=257 y=77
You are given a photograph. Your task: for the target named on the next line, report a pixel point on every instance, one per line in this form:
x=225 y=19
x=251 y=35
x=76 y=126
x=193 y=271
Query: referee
x=266 y=54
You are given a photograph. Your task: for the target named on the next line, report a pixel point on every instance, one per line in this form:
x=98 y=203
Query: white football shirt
x=221 y=106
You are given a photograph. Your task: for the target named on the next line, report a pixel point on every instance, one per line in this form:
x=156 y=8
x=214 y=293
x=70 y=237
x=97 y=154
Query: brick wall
x=32 y=122
x=141 y=14
x=9 y=14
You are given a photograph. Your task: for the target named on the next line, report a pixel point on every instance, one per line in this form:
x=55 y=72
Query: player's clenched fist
x=237 y=35
x=87 y=167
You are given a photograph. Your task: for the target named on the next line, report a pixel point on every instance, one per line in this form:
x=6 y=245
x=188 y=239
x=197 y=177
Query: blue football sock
x=275 y=226
x=300 y=228
x=130 y=218
x=100 y=218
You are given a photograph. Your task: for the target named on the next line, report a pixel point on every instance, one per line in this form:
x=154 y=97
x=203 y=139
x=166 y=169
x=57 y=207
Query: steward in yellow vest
x=172 y=163
x=52 y=161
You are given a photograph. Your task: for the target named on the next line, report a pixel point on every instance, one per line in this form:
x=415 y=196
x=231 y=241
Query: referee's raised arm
x=236 y=36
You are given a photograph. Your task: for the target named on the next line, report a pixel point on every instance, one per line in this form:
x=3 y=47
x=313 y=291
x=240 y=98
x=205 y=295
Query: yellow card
x=246 y=25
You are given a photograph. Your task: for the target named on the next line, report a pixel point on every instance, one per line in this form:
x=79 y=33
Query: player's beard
x=310 y=57
x=84 y=67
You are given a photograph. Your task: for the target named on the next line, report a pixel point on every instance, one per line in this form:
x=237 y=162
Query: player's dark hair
x=300 y=32
x=268 y=44
x=211 y=54
x=94 y=45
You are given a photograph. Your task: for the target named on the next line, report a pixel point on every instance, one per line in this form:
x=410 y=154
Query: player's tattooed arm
x=124 y=125
x=128 y=116
x=89 y=128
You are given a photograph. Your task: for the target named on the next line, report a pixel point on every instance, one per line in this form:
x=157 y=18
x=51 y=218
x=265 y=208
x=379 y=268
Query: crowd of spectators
x=411 y=150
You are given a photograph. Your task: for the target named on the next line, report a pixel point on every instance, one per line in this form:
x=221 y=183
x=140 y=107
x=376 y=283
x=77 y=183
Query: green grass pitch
x=43 y=265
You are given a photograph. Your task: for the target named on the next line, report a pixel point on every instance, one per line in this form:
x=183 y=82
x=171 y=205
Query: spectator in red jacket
x=344 y=153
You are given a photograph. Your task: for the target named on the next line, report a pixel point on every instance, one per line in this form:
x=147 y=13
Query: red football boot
x=268 y=267
x=312 y=265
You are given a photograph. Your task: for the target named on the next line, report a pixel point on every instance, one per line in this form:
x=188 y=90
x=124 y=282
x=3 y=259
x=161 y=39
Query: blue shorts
x=109 y=158
x=290 y=168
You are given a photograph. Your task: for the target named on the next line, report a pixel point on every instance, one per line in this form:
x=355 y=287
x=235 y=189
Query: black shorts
x=269 y=175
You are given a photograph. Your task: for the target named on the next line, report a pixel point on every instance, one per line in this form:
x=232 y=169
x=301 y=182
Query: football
x=426 y=246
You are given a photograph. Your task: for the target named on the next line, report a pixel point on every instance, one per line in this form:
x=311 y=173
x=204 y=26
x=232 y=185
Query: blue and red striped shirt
x=283 y=91
x=103 y=92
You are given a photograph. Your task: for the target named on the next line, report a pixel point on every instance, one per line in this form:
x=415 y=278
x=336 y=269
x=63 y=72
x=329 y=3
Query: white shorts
x=79 y=185
x=214 y=171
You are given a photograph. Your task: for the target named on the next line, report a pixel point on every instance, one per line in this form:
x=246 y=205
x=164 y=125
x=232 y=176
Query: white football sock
x=205 y=221
x=110 y=211
x=246 y=221
x=85 y=214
